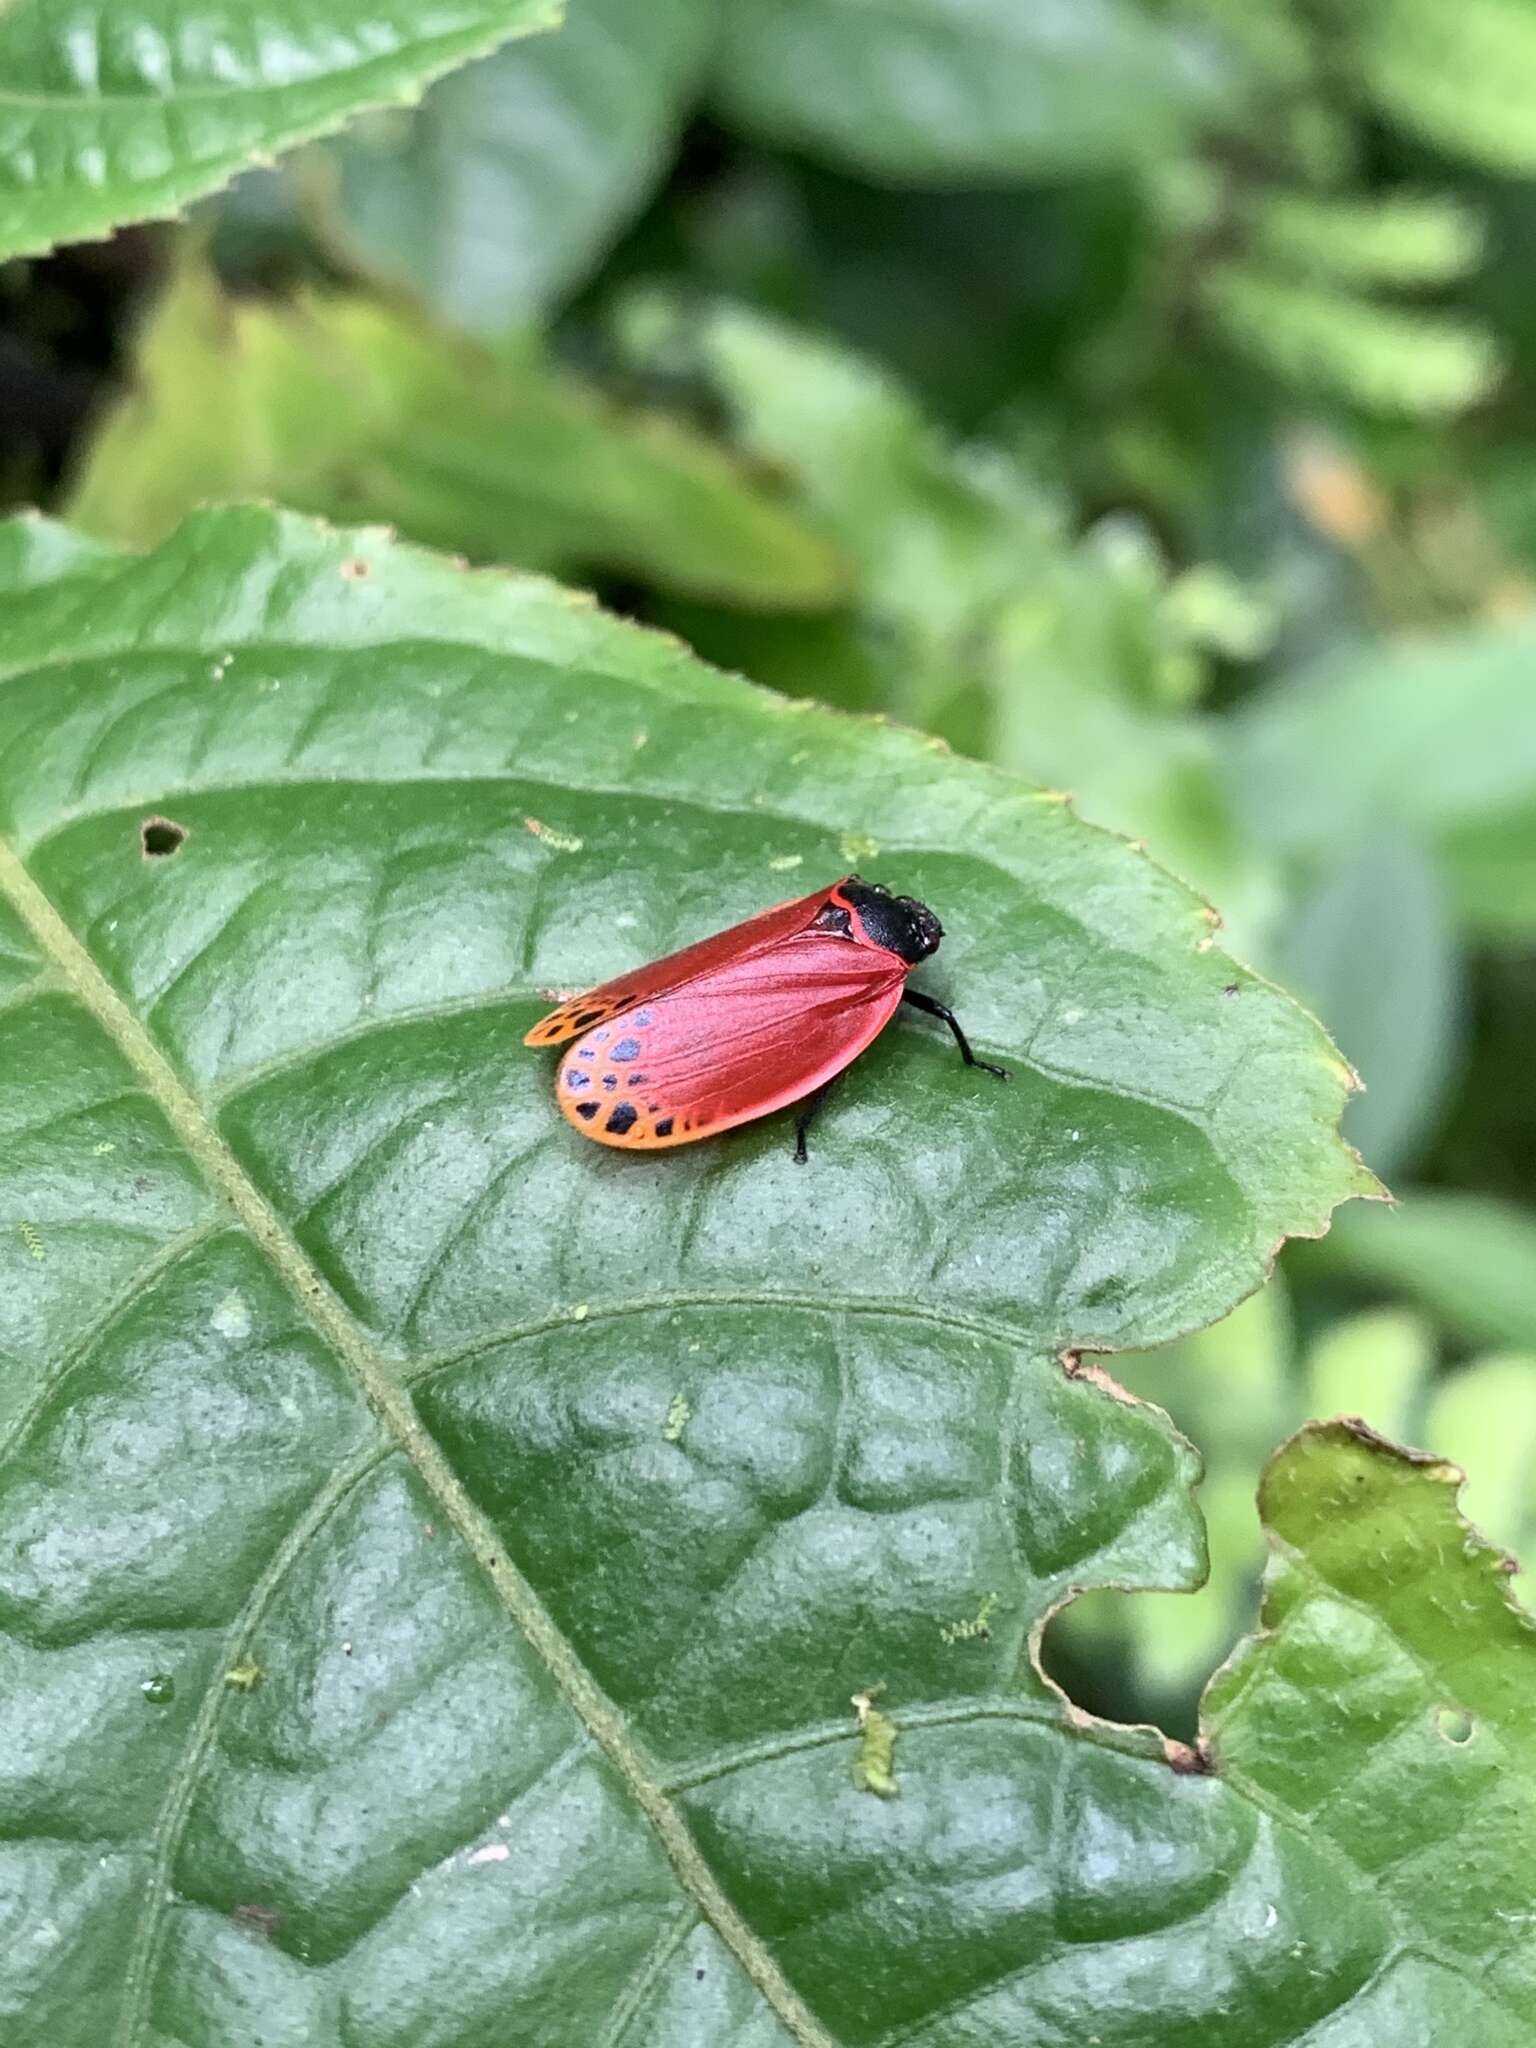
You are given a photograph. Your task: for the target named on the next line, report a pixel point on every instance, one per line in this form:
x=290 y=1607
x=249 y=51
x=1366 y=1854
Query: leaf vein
x=391 y=1403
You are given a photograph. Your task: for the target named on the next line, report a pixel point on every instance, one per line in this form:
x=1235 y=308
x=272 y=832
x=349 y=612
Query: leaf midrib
x=390 y=1400
x=392 y=1404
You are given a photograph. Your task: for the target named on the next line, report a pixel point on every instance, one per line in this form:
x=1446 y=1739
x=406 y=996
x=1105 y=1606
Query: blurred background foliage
x=1140 y=394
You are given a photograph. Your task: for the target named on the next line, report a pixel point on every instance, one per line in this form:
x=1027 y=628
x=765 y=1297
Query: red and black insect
x=765 y=1014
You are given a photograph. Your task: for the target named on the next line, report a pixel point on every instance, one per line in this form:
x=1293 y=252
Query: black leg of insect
x=808 y=1109
x=932 y=1008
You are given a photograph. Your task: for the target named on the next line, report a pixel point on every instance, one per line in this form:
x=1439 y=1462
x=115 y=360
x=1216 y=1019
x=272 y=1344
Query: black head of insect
x=900 y=924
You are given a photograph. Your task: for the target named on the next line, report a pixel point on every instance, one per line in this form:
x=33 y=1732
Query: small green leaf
x=344 y=407
x=556 y=142
x=1388 y=358
x=128 y=113
x=1399 y=239
x=1384 y=1714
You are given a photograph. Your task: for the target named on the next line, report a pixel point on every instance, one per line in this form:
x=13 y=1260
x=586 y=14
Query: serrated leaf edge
x=185 y=193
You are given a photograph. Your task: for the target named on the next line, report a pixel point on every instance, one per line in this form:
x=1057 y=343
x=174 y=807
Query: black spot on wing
x=586 y=1111
x=664 y=1128
x=624 y=1115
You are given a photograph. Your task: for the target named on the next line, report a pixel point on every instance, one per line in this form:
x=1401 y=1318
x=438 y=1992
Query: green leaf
x=1385 y=1709
x=1432 y=737
x=346 y=408
x=127 y=114
x=938 y=536
x=1470 y=1259
x=438 y=1557
x=1461 y=77
x=498 y=194
x=1388 y=358
x=1398 y=239
x=931 y=91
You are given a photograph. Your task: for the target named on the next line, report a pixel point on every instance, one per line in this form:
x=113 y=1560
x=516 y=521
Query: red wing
x=740 y=942
x=731 y=1044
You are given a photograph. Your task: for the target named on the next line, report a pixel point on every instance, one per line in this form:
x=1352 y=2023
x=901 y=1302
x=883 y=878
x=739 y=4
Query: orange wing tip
x=646 y=1139
x=625 y=1126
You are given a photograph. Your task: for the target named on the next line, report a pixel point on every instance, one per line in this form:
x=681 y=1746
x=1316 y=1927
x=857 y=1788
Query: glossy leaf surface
x=437 y=1557
x=128 y=112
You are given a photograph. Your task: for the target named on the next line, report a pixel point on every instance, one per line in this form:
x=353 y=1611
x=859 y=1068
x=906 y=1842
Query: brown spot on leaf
x=1189 y=1760
x=262 y=1920
x=1077 y=1368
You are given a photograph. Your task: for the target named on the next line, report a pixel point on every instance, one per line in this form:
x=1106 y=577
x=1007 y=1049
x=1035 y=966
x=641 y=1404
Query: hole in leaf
x=1454 y=1724
x=161 y=837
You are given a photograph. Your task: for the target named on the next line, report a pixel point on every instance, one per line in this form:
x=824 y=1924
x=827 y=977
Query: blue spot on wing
x=626 y=1049
x=642 y=1018
x=575 y=1078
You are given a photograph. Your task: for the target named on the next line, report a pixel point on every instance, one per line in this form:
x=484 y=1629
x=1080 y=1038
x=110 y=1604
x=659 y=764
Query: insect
x=760 y=1016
